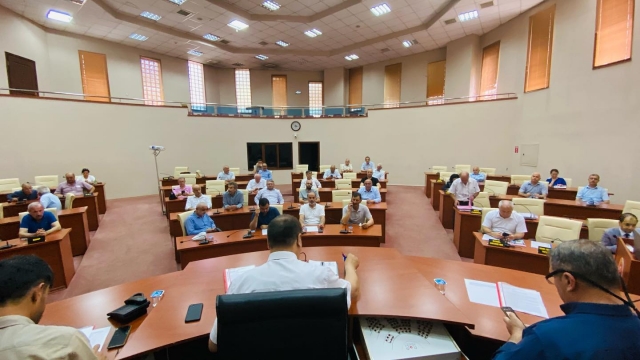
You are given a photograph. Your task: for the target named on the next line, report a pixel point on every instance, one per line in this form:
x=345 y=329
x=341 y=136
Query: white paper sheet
x=97 y=336
x=264 y=231
x=312 y=228
x=537 y=244
x=524 y=300
x=330 y=264
x=487 y=237
x=481 y=292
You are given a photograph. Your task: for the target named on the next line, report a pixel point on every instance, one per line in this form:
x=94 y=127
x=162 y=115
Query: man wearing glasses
x=599 y=324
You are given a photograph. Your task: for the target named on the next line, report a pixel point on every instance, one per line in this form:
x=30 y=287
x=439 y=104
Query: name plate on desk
x=544 y=250
x=496 y=242
x=35 y=240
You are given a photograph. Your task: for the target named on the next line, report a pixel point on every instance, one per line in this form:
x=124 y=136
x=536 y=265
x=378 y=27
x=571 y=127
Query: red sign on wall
x=516 y=150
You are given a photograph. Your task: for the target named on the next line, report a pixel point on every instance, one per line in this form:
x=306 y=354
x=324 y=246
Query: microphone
x=531 y=216
x=327 y=204
x=290 y=205
x=252 y=208
x=248 y=235
x=6 y=245
x=217 y=211
x=235 y=232
x=493 y=193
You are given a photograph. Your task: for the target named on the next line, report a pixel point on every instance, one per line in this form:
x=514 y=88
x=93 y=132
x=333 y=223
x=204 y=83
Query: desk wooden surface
x=522 y=258
x=295 y=183
x=326 y=194
x=166 y=190
x=571 y=209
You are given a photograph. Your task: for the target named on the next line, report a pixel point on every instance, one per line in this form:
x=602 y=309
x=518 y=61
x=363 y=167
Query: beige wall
x=261 y=93
x=334 y=86
x=463 y=67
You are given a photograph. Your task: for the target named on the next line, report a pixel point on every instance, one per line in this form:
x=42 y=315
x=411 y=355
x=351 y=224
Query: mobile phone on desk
x=119 y=337
x=507 y=309
x=194 y=312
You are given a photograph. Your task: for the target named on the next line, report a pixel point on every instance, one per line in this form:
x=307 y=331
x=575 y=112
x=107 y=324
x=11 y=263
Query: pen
x=344 y=257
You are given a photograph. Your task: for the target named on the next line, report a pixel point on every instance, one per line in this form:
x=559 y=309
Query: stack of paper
x=502 y=294
x=95 y=336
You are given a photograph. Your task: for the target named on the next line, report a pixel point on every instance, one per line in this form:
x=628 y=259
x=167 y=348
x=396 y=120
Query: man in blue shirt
x=369 y=193
x=265 y=172
x=597 y=324
x=199 y=221
x=592 y=194
x=38 y=222
x=533 y=189
x=367 y=164
x=48 y=200
x=262 y=219
x=477 y=175
x=26 y=193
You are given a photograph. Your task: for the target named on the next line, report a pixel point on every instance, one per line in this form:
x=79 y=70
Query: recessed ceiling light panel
x=238 y=25
x=407 y=43
x=211 y=37
x=261 y=57
x=59 y=16
x=194 y=52
x=150 y=15
x=352 y=57
x=468 y=16
x=138 y=37
x=271 y=5
x=313 y=33
x=77 y=2
x=380 y=9
x=178 y=2
x=282 y=43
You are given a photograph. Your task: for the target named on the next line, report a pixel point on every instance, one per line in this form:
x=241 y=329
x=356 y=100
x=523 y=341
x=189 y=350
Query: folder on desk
x=502 y=294
x=230 y=274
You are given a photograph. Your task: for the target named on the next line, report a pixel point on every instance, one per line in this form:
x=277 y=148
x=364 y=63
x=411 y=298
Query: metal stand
x=155 y=157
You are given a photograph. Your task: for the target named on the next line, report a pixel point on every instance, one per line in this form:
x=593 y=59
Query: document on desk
x=502 y=294
x=488 y=237
x=537 y=244
x=481 y=292
x=96 y=336
x=233 y=273
x=264 y=231
x=330 y=264
x=311 y=228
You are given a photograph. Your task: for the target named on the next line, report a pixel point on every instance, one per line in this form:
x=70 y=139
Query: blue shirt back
x=32 y=225
x=49 y=200
x=265 y=219
x=195 y=224
x=587 y=331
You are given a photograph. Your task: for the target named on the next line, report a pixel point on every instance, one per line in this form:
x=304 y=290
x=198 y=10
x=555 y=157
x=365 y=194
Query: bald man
x=226 y=175
x=464 y=188
x=38 y=222
x=25 y=193
x=534 y=189
x=504 y=220
x=378 y=173
x=72 y=186
x=477 y=175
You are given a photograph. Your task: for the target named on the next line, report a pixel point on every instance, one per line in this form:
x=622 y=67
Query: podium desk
x=232 y=242
x=522 y=258
x=445 y=209
x=102 y=198
x=435 y=191
x=55 y=251
x=629 y=267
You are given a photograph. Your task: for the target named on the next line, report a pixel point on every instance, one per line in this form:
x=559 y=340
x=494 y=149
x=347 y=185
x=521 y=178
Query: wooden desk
x=445 y=210
x=91 y=203
x=203 y=180
x=55 y=251
x=166 y=190
x=569 y=208
x=225 y=220
x=628 y=267
x=326 y=194
x=503 y=178
x=102 y=197
x=435 y=199
x=178 y=205
x=522 y=258
x=355 y=183
x=428 y=176
x=231 y=242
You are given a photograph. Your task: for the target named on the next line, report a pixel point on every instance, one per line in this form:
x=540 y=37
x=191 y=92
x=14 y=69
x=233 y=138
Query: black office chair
x=294 y=324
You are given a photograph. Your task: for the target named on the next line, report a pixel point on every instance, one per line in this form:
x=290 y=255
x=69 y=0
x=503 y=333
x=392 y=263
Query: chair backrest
x=568 y=181
x=545 y=183
x=346 y=202
x=488 y=171
x=551 y=228
x=526 y=205
x=597 y=227
x=438 y=168
x=8 y=184
x=445 y=175
x=278 y=207
x=54 y=211
x=350 y=175
x=235 y=171
x=245 y=196
x=179 y=169
x=47 y=180
x=16 y=189
x=68 y=200
x=253 y=325
x=189 y=179
x=485 y=211
x=495 y=187
x=343 y=184
x=461 y=168
x=215 y=187
x=302 y=168
x=324 y=168
x=1 y=211
x=482 y=200
x=339 y=195
x=182 y=218
x=632 y=207
x=519 y=179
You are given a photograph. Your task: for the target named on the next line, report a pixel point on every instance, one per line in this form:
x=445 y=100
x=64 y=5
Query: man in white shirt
x=346 y=167
x=312 y=213
x=378 y=173
x=367 y=164
x=283 y=271
x=332 y=173
x=504 y=220
x=256 y=184
x=226 y=175
x=464 y=188
x=316 y=184
x=270 y=193
x=197 y=198
x=25 y=281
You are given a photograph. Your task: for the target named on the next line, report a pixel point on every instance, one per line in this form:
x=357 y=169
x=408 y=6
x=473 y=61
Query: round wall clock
x=295 y=126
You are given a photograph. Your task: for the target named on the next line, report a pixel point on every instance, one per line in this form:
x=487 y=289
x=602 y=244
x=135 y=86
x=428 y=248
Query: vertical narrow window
x=355 y=86
x=151 y=81
x=392 y=78
x=316 y=98
x=538 y=71
x=279 y=93
x=95 y=78
x=614 y=32
x=435 y=82
x=243 y=90
x=489 y=80
x=196 y=86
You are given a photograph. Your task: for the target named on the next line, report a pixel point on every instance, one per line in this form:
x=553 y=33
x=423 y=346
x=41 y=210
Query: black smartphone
x=508 y=309
x=193 y=313
x=119 y=337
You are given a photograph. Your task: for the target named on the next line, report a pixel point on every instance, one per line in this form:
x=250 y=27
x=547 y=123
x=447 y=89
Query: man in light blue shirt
x=534 y=189
x=332 y=173
x=199 y=221
x=47 y=199
x=271 y=193
x=477 y=175
x=226 y=175
x=367 y=164
x=592 y=194
x=232 y=199
x=370 y=193
x=265 y=173
x=378 y=173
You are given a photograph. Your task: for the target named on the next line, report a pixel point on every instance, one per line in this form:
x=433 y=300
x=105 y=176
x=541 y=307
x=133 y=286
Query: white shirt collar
x=282 y=255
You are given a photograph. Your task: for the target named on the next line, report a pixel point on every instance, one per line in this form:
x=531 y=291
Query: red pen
x=344 y=257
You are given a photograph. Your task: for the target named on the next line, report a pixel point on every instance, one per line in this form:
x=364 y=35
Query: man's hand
x=233 y=207
x=456 y=203
x=350 y=208
x=352 y=262
x=515 y=327
x=98 y=354
x=511 y=237
x=14 y=200
x=321 y=226
x=365 y=225
x=41 y=232
x=210 y=230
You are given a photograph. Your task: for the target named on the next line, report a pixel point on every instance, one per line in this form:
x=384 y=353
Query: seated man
x=274 y=195
x=232 y=199
x=26 y=193
x=312 y=213
x=257 y=167
x=592 y=194
x=463 y=189
x=86 y=177
x=477 y=175
x=283 y=270
x=378 y=173
x=265 y=172
x=47 y=199
x=504 y=220
x=309 y=176
x=370 y=193
x=77 y=188
x=332 y=173
x=627 y=227
x=370 y=176
x=38 y=222
x=598 y=323
x=199 y=221
x=264 y=217
x=256 y=184
x=303 y=195
x=197 y=198
x=226 y=175
x=346 y=167
x=355 y=213
x=534 y=189
x=367 y=164
x=182 y=190
x=25 y=281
